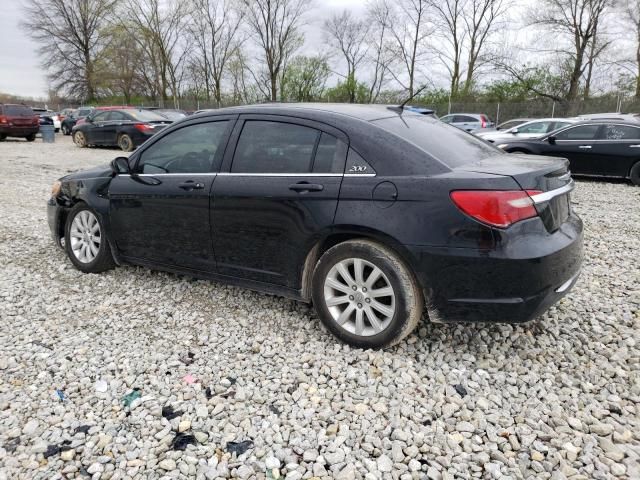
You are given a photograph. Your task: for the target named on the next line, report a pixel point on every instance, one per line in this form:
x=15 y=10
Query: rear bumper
x=14 y=131
x=520 y=279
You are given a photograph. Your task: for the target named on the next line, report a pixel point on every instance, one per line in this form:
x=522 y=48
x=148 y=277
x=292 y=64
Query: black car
x=369 y=212
x=70 y=120
x=607 y=148
x=126 y=128
x=46 y=116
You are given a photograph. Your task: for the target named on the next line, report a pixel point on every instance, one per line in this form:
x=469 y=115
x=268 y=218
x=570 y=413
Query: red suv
x=18 y=121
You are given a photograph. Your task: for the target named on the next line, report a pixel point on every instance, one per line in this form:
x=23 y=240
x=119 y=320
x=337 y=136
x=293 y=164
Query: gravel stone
x=563 y=388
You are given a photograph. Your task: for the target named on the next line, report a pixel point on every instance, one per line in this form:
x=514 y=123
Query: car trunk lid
x=550 y=176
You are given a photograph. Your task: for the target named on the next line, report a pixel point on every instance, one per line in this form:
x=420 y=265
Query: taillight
x=498 y=208
x=3 y=119
x=144 y=128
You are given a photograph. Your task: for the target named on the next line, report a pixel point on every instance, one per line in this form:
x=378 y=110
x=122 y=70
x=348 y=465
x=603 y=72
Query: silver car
x=532 y=129
x=468 y=121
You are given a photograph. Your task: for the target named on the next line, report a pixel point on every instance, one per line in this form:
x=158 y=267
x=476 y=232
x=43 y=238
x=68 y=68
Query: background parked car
x=595 y=148
x=626 y=117
x=46 y=116
x=126 y=128
x=532 y=129
x=74 y=117
x=171 y=114
x=468 y=121
x=18 y=121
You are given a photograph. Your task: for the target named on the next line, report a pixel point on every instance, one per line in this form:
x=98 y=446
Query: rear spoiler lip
x=551 y=194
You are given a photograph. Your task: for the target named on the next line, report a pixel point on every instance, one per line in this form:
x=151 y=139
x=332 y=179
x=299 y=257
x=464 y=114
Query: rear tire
x=80 y=139
x=365 y=294
x=86 y=241
x=634 y=174
x=125 y=143
x=31 y=138
x=3 y=137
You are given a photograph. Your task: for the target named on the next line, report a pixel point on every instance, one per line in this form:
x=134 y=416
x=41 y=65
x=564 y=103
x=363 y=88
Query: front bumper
x=520 y=279
x=55 y=220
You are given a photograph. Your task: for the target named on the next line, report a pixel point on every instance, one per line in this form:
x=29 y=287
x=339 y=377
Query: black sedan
x=369 y=212
x=126 y=128
x=605 y=148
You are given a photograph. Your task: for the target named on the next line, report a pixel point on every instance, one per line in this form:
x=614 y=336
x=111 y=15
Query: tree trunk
x=638 y=61
x=274 y=87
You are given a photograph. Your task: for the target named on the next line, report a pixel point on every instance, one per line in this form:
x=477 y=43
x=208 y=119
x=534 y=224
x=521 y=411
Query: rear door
x=577 y=145
x=160 y=213
x=616 y=151
x=277 y=194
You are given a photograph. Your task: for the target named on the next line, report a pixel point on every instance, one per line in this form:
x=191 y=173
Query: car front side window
x=275 y=147
x=190 y=149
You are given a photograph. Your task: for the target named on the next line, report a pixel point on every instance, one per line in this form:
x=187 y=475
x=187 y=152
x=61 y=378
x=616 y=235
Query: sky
x=20 y=70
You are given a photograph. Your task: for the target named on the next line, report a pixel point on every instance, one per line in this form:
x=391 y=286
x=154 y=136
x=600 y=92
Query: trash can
x=48 y=133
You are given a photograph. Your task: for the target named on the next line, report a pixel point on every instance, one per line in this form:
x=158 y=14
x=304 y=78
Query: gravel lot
x=557 y=398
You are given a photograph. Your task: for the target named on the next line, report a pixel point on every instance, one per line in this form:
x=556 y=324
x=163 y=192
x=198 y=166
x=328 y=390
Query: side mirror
x=552 y=140
x=120 y=165
x=514 y=130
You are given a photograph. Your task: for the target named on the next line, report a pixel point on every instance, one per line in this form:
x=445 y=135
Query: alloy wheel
x=79 y=139
x=85 y=236
x=359 y=297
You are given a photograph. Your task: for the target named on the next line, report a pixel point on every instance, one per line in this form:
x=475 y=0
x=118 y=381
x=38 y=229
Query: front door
x=160 y=213
x=95 y=128
x=278 y=194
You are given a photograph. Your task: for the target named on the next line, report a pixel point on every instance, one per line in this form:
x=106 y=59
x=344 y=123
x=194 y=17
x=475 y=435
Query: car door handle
x=306 y=187
x=585 y=146
x=191 y=185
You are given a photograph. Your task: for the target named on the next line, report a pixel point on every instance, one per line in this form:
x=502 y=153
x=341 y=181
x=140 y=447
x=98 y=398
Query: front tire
x=80 y=139
x=86 y=242
x=365 y=294
x=125 y=143
x=634 y=174
x=3 y=137
x=31 y=138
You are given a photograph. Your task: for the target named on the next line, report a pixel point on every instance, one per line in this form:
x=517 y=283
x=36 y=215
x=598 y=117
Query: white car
x=57 y=123
x=531 y=129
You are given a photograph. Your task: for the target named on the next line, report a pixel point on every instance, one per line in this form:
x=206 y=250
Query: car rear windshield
x=145 y=116
x=447 y=144
x=17 y=110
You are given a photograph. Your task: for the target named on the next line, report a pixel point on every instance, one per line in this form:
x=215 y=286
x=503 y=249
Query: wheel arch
x=342 y=233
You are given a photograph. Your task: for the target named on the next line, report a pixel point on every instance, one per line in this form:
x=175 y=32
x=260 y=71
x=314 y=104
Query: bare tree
x=449 y=24
x=409 y=28
x=70 y=33
x=380 y=54
x=215 y=29
x=158 y=28
x=348 y=34
x=631 y=16
x=275 y=26
x=577 y=21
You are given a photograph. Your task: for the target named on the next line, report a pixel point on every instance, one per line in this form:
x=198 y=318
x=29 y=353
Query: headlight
x=502 y=145
x=55 y=188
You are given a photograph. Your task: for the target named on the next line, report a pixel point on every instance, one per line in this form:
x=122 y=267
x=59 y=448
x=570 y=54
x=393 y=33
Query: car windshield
x=145 y=116
x=17 y=110
x=451 y=146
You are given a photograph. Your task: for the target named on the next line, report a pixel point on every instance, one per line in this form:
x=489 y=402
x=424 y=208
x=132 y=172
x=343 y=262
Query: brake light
x=498 y=208
x=144 y=127
x=3 y=119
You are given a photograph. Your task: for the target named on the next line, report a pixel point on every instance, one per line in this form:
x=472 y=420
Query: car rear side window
x=449 y=145
x=582 y=132
x=117 y=116
x=330 y=155
x=621 y=132
x=275 y=147
x=190 y=149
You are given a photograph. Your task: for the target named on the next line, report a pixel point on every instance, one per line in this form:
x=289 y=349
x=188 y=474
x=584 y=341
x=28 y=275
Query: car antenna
x=400 y=107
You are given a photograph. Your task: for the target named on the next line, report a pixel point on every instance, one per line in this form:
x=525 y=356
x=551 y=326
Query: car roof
x=366 y=112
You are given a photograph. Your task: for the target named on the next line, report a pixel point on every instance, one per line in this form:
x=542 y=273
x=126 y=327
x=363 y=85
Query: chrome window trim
x=546 y=196
x=238 y=174
x=209 y=174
